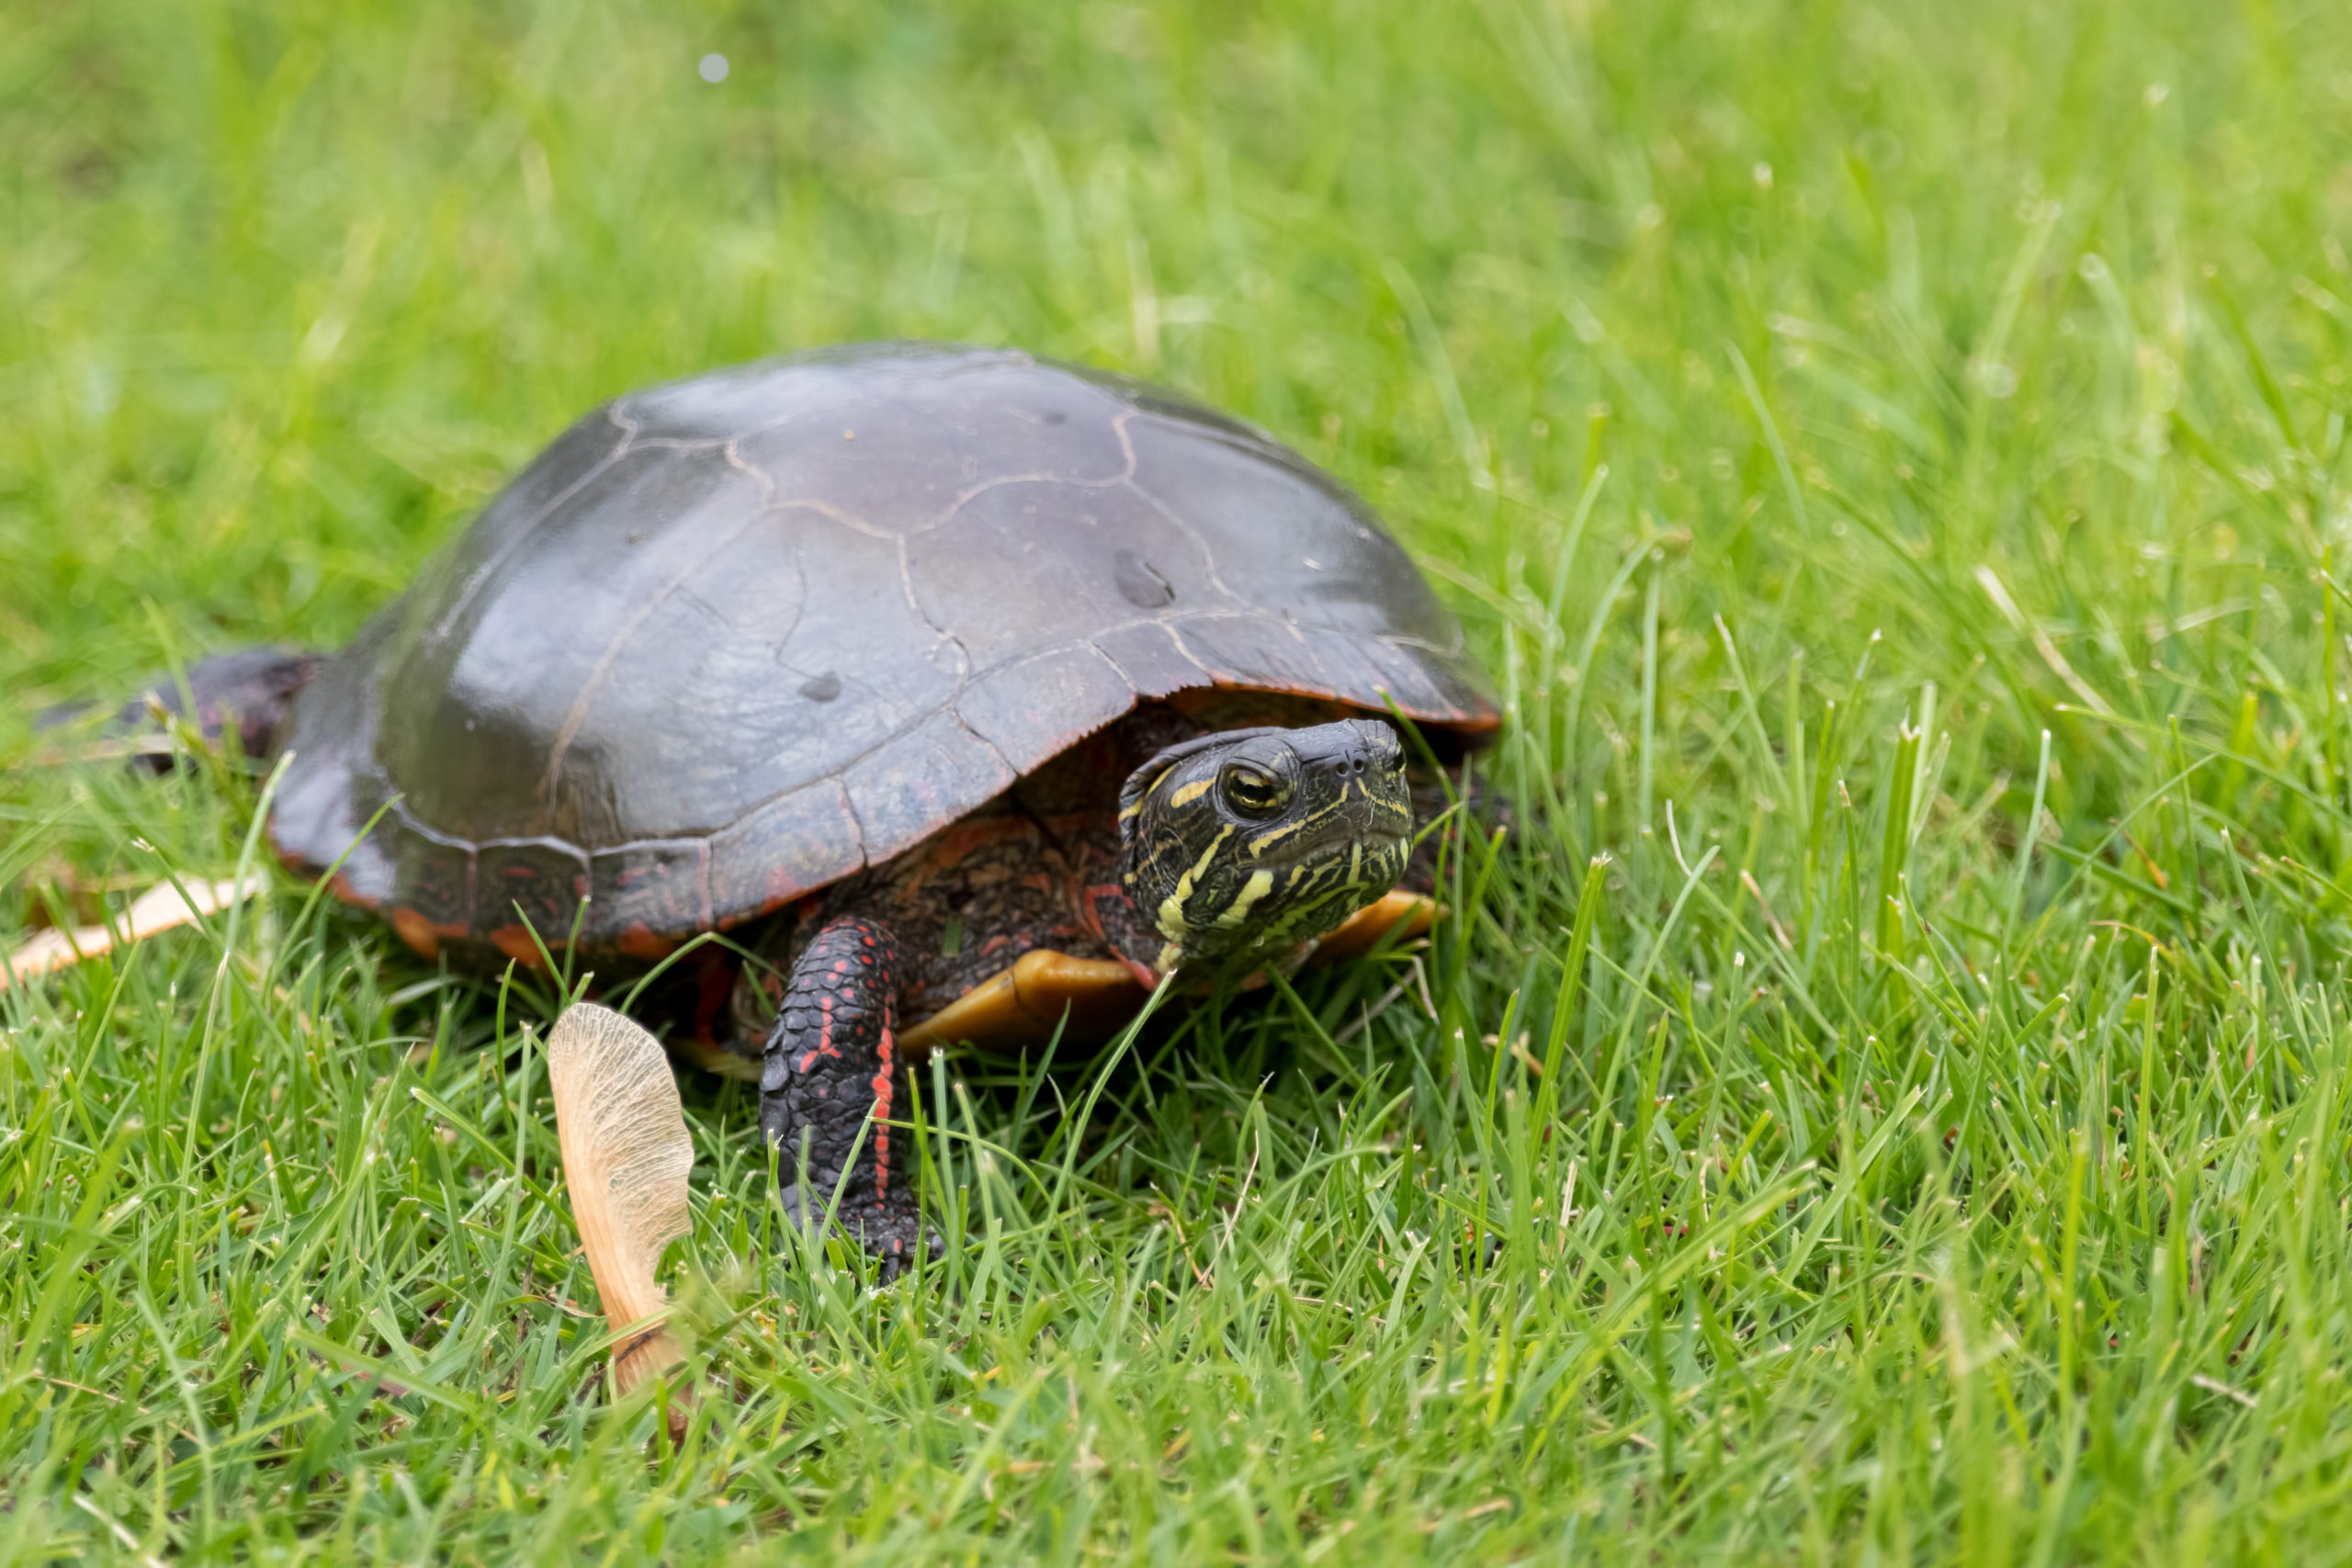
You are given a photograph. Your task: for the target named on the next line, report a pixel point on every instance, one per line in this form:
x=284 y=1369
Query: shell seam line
x=585 y=697
x=523 y=531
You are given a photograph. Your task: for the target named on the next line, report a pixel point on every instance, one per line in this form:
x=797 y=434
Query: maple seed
x=627 y=1157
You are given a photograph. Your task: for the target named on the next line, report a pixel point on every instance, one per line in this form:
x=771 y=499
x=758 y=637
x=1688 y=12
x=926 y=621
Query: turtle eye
x=1251 y=792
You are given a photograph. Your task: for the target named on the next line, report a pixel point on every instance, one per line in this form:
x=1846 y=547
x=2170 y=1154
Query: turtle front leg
x=831 y=1058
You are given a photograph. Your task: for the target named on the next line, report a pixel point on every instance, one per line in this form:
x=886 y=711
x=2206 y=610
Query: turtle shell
x=731 y=638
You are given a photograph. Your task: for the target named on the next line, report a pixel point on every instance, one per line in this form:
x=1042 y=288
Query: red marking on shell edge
x=807 y=905
x=423 y=936
x=729 y=922
x=340 y=885
x=639 y=941
x=881 y=1118
x=517 y=944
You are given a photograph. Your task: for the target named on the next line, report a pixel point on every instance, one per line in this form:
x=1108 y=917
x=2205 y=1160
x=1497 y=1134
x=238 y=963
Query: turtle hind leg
x=251 y=690
x=832 y=1060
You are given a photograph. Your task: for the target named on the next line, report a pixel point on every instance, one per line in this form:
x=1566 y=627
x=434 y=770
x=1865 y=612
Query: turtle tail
x=250 y=691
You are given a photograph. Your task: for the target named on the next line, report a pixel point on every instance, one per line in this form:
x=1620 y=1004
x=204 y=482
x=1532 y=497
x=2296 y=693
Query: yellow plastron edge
x=1024 y=1004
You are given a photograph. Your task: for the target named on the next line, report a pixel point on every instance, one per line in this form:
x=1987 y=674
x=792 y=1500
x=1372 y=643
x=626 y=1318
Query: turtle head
x=1240 y=845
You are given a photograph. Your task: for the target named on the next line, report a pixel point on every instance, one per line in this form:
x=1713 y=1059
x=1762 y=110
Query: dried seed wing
x=627 y=1157
x=157 y=909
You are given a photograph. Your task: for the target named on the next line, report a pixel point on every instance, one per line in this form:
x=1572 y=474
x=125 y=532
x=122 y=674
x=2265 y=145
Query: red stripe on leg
x=881 y=1119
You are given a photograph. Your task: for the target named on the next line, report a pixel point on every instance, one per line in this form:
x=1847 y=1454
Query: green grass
x=1939 y=1151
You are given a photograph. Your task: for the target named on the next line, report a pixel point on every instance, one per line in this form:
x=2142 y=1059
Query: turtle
x=971 y=691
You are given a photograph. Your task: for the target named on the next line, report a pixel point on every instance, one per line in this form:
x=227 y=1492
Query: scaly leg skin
x=831 y=1058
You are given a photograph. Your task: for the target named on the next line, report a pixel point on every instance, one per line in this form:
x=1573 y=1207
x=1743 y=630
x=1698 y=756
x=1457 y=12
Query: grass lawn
x=1889 y=1102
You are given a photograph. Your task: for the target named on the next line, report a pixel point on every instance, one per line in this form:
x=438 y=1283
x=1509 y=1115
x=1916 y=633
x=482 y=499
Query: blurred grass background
x=1815 y=409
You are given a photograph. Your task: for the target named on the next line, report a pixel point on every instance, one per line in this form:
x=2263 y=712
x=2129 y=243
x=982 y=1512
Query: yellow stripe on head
x=1259 y=845
x=1260 y=883
x=1171 y=909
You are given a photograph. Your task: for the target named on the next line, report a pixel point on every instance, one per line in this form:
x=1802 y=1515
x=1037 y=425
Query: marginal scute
x=729 y=639
x=922 y=781
x=1043 y=705
x=660 y=886
x=432 y=882
x=534 y=887
x=1421 y=690
x=1153 y=658
x=1259 y=651
x=788 y=848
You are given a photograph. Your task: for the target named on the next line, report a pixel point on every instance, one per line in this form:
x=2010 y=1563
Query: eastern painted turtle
x=977 y=691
